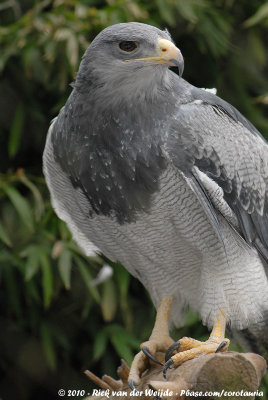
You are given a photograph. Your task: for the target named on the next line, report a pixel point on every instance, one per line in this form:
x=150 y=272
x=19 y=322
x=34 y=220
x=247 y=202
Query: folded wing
x=227 y=163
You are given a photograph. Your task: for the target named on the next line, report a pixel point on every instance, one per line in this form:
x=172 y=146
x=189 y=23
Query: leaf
x=15 y=131
x=73 y=51
x=123 y=279
x=120 y=332
x=166 y=11
x=64 y=34
x=47 y=278
x=108 y=300
x=4 y=236
x=21 y=205
x=262 y=99
x=50 y=51
x=100 y=344
x=257 y=48
x=12 y=258
x=64 y=231
x=48 y=345
x=34 y=65
x=39 y=204
x=122 y=341
x=87 y=306
x=32 y=263
x=65 y=267
x=187 y=9
x=13 y=291
x=87 y=279
x=261 y=13
x=32 y=292
x=122 y=349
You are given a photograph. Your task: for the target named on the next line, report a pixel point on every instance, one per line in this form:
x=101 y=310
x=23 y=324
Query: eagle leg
x=190 y=348
x=158 y=341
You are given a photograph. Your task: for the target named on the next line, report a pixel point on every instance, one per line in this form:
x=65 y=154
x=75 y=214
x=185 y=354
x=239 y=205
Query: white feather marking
x=212 y=90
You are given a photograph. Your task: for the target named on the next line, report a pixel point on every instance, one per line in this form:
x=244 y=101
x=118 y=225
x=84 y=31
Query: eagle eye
x=128 y=46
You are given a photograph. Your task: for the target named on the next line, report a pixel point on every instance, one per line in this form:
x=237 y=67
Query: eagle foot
x=148 y=352
x=159 y=341
x=190 y=348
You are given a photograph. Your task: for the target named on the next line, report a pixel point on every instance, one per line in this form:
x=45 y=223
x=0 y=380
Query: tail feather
x=255 y=337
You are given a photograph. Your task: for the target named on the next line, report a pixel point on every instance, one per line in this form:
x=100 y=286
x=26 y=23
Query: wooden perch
x=228 y=372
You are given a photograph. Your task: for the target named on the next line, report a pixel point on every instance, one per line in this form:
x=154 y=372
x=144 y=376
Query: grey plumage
x=234 y=158
x=167 y=178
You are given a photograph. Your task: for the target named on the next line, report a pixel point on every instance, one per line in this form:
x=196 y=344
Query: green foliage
x=54 y=322
x=16 y=131
x=44 y=273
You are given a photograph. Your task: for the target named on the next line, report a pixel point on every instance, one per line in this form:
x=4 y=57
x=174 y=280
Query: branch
x=229 y=372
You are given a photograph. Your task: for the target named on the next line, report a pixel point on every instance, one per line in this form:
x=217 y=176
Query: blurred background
x=54 y=323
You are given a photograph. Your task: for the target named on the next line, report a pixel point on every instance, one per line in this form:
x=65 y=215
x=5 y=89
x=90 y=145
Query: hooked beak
x=168 y=54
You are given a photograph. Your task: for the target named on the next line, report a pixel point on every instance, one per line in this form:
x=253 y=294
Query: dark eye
x=128 y=46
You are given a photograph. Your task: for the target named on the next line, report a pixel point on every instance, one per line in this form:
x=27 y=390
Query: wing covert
x=203 y=137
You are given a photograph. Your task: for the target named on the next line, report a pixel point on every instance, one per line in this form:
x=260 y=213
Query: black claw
x=131 y=384
x=166 y=367
x=169 y=352
x=146 y=351
x=221 y=346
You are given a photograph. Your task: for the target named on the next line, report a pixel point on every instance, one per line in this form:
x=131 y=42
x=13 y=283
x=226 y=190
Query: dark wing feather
x=207 y=138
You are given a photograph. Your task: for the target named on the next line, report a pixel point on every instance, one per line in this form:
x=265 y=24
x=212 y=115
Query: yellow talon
x=191 y=348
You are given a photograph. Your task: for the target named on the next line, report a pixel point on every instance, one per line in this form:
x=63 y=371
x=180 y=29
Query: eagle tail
x=254 y=338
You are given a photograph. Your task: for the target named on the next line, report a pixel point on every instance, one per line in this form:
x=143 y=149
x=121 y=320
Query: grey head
x=128 y=57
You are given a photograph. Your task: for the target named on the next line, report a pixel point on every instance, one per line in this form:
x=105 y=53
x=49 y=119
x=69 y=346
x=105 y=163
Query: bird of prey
x=170 y=180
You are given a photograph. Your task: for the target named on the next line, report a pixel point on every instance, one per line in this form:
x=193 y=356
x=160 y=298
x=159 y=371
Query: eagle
x=171 y=181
